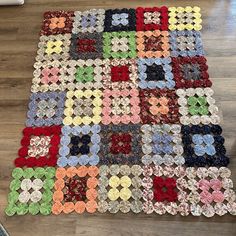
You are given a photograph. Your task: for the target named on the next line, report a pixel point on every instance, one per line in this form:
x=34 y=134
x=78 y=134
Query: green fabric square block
x=31 y=191
x=84 y=74
x=197 y=105
x=119 y=45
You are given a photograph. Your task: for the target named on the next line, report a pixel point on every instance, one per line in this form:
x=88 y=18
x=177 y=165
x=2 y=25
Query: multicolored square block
x=84 y=74
x=120 y=144
x=162 y=145
x=158 y=106
x=186 y=43
x=39 y=146
x=48 y=76
x=163 y=191
x=89 y=21
x=86 y=46
x=120 y=74
x=31 y=191
x=185 y=18
x=152 y=44
x=120 y=20
x=119 y=189
x=119 y=44
x=204 y=146
x=53 y=47
x=155 y=73
x=190 y=72
x=196 y=106
x=45 y=109
x=120 y=106
x=75 y=190
x=57 y=22
x=83 y=107
x=79 y=146
x=152 y=18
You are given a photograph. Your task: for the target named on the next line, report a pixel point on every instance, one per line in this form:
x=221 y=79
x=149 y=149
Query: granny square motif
x=190 y=72
x=120 y=106
x=58 y=22
x=120 y=144
x=119 y=44
x=188 y=18
x=122 y=118
x=162 y=145
x=119 y=189
x=31 y=191
x=86 y=46
x=84 y=74
x=79 y=146
x=120 y=20
x=204 y=146
x=186 y=43
x=39 y=146
x=158 y=106
x=120 y=74
x=53 y=47
x=155 y=73
x=48 y=76
x=89 y=21
x=151 y=18
x=197 y=106
x=46 y=109
x=83 y=107
x=75 y=190
x=153 y=44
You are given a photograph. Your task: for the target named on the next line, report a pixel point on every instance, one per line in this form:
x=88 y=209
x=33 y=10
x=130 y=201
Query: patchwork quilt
x=122 y=117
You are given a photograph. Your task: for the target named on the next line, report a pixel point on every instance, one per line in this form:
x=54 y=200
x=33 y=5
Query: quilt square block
x=158 y=106
x=155 y=73
x=120 y=106
x=31 y=191
x=53 y=47
x=186 y=43
x=119 y=189
x=120 y=74
x=46 y=109
x=120 y=20
x=120 y=144
x=151 y=18
x=185 y=18
x=85 y=74
x=119 y=44
x=75 y=190
x=210 y=191
x=162 y=145
x=152 y=44
x=57 y=22
x=86 y=46
x=83 y=107
x=197 y=106
x=164 y=190
x=39 y=146
x=48 y=76
x=89 y=21
x=204 y=146
x=79 y=146
x=190 y=72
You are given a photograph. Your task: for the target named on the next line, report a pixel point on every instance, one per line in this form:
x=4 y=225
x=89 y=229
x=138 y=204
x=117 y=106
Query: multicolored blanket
x=122 y=118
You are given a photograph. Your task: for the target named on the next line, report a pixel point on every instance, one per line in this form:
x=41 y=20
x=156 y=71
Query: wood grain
x=19 y=27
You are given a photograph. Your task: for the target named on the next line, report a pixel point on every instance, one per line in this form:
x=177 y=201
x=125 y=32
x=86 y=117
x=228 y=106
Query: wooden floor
x=19 y=27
